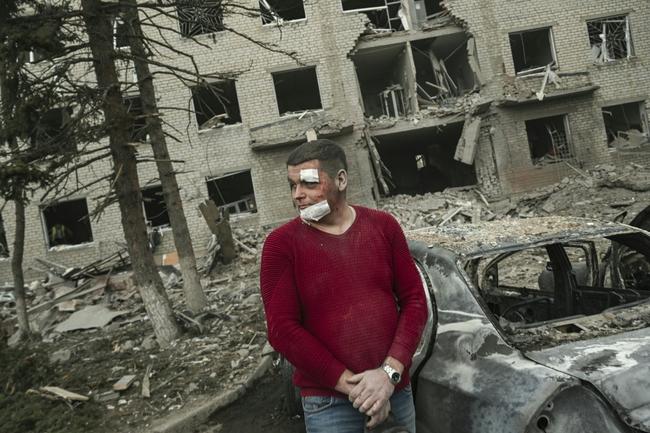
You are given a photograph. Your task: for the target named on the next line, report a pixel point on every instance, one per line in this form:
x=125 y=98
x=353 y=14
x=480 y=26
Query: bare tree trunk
x=8 y=95
x=17 y=268
x=127 y=185
x=194 y=295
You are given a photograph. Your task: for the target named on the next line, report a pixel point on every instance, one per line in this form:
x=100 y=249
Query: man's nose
x=298 y=192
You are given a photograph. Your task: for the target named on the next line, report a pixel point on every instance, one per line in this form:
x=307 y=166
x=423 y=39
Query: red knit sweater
x=341 y=301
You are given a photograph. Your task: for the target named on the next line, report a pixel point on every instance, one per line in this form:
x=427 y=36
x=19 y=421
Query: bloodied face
x=310 y=185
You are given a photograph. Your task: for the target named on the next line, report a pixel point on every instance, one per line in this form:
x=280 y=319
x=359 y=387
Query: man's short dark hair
x=331 y=155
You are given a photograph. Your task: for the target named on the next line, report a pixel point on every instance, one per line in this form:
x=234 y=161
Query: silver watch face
x=393 y=375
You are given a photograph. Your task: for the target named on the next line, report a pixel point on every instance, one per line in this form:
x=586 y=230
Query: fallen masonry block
x=124 y=383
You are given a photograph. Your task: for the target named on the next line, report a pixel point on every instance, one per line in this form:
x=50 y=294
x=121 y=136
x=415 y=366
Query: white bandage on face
x=315 y=212
x=309 y=175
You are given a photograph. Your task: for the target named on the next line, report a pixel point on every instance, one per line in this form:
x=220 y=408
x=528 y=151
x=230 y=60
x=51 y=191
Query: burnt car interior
x=544 y=283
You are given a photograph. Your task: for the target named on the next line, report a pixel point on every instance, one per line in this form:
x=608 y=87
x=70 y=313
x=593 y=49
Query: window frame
x=44 y=224
x=275 y=90
x=181 y=22
x=551 y=40
x=628 y=37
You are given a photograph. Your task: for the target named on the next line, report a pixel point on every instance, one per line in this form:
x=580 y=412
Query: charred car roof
x=473 y=240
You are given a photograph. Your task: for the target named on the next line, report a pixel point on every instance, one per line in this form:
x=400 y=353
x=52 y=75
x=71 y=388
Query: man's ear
x=342 y=180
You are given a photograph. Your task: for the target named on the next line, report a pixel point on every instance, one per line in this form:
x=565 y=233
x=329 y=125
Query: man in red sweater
x=344 y=302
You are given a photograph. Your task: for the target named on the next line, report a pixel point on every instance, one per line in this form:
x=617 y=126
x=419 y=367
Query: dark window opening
x=433 y=7
x=67 y=223
x=549 y=140
x=281 y=10
x=155 y=209
x=422 y=160
x=442 y=69
x=383 y=14
x=626 y=125
x=4 y=246
x=532 y=50
x=138 y=127
x=234 y=191
x=610 y=39
x=216 y=104
x=198 y=17
x=386 y=93
x=297 y=90
x=120 y=33
x=52 y=129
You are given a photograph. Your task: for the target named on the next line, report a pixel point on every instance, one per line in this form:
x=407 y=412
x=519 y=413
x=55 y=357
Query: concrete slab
x=94 y=316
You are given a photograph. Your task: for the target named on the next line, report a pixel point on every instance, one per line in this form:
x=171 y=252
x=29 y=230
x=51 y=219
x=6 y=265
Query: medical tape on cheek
x=309 y=175
x=316 y=211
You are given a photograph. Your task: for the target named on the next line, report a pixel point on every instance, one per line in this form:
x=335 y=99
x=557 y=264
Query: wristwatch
x=393 y=374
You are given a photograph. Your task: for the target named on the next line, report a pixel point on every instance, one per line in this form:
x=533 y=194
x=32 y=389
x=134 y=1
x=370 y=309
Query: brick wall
x=505 y=149
x=323 y=39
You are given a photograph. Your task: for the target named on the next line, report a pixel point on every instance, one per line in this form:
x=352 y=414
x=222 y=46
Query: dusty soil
x=204 y=362
x=261 y=409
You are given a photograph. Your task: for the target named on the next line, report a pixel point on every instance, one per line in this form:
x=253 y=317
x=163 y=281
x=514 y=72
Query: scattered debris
x=62 y=393
x=106 y=396
x=60 y=356
x=94 y=316
x=124 y=383
x=146 y=385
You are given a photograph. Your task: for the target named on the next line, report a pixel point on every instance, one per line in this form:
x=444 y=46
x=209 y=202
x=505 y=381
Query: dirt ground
x=219 y=356
x=261 y=409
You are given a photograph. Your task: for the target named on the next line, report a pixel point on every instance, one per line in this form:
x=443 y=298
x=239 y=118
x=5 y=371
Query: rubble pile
x=604 y=192
x=459 y=105
x=464 y=104
x=102 y=350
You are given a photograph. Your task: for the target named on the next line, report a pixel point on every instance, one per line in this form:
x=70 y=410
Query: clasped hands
x=370 y=394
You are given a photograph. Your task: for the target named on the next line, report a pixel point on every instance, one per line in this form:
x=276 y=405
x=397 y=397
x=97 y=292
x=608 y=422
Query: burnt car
x=542 y=326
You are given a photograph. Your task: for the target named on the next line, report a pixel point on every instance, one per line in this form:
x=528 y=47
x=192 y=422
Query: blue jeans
x=336 y=415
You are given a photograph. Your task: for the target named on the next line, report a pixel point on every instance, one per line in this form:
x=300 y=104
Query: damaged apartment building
x=499 y=95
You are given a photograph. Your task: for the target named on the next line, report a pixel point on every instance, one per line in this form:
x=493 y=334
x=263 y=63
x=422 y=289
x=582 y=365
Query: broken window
x=233 y=191
x=442 y=68
x=422 y=160
x=532 y=50
x=198 y=17
x=626 y=125
x=384 y=15
x=387 y=93
x=155 y=209
x=51 y=129
x=120 y=33
x=216 y=104
x=277 y=11
x=610 y=39
x=4 y=246
x=297 y=90
x=138 y=128
x=549 y=139
x=67 y=223
x=432 y=7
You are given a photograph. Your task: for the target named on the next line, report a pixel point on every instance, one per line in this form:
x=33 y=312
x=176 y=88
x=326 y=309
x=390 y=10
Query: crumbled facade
x=503 y=95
